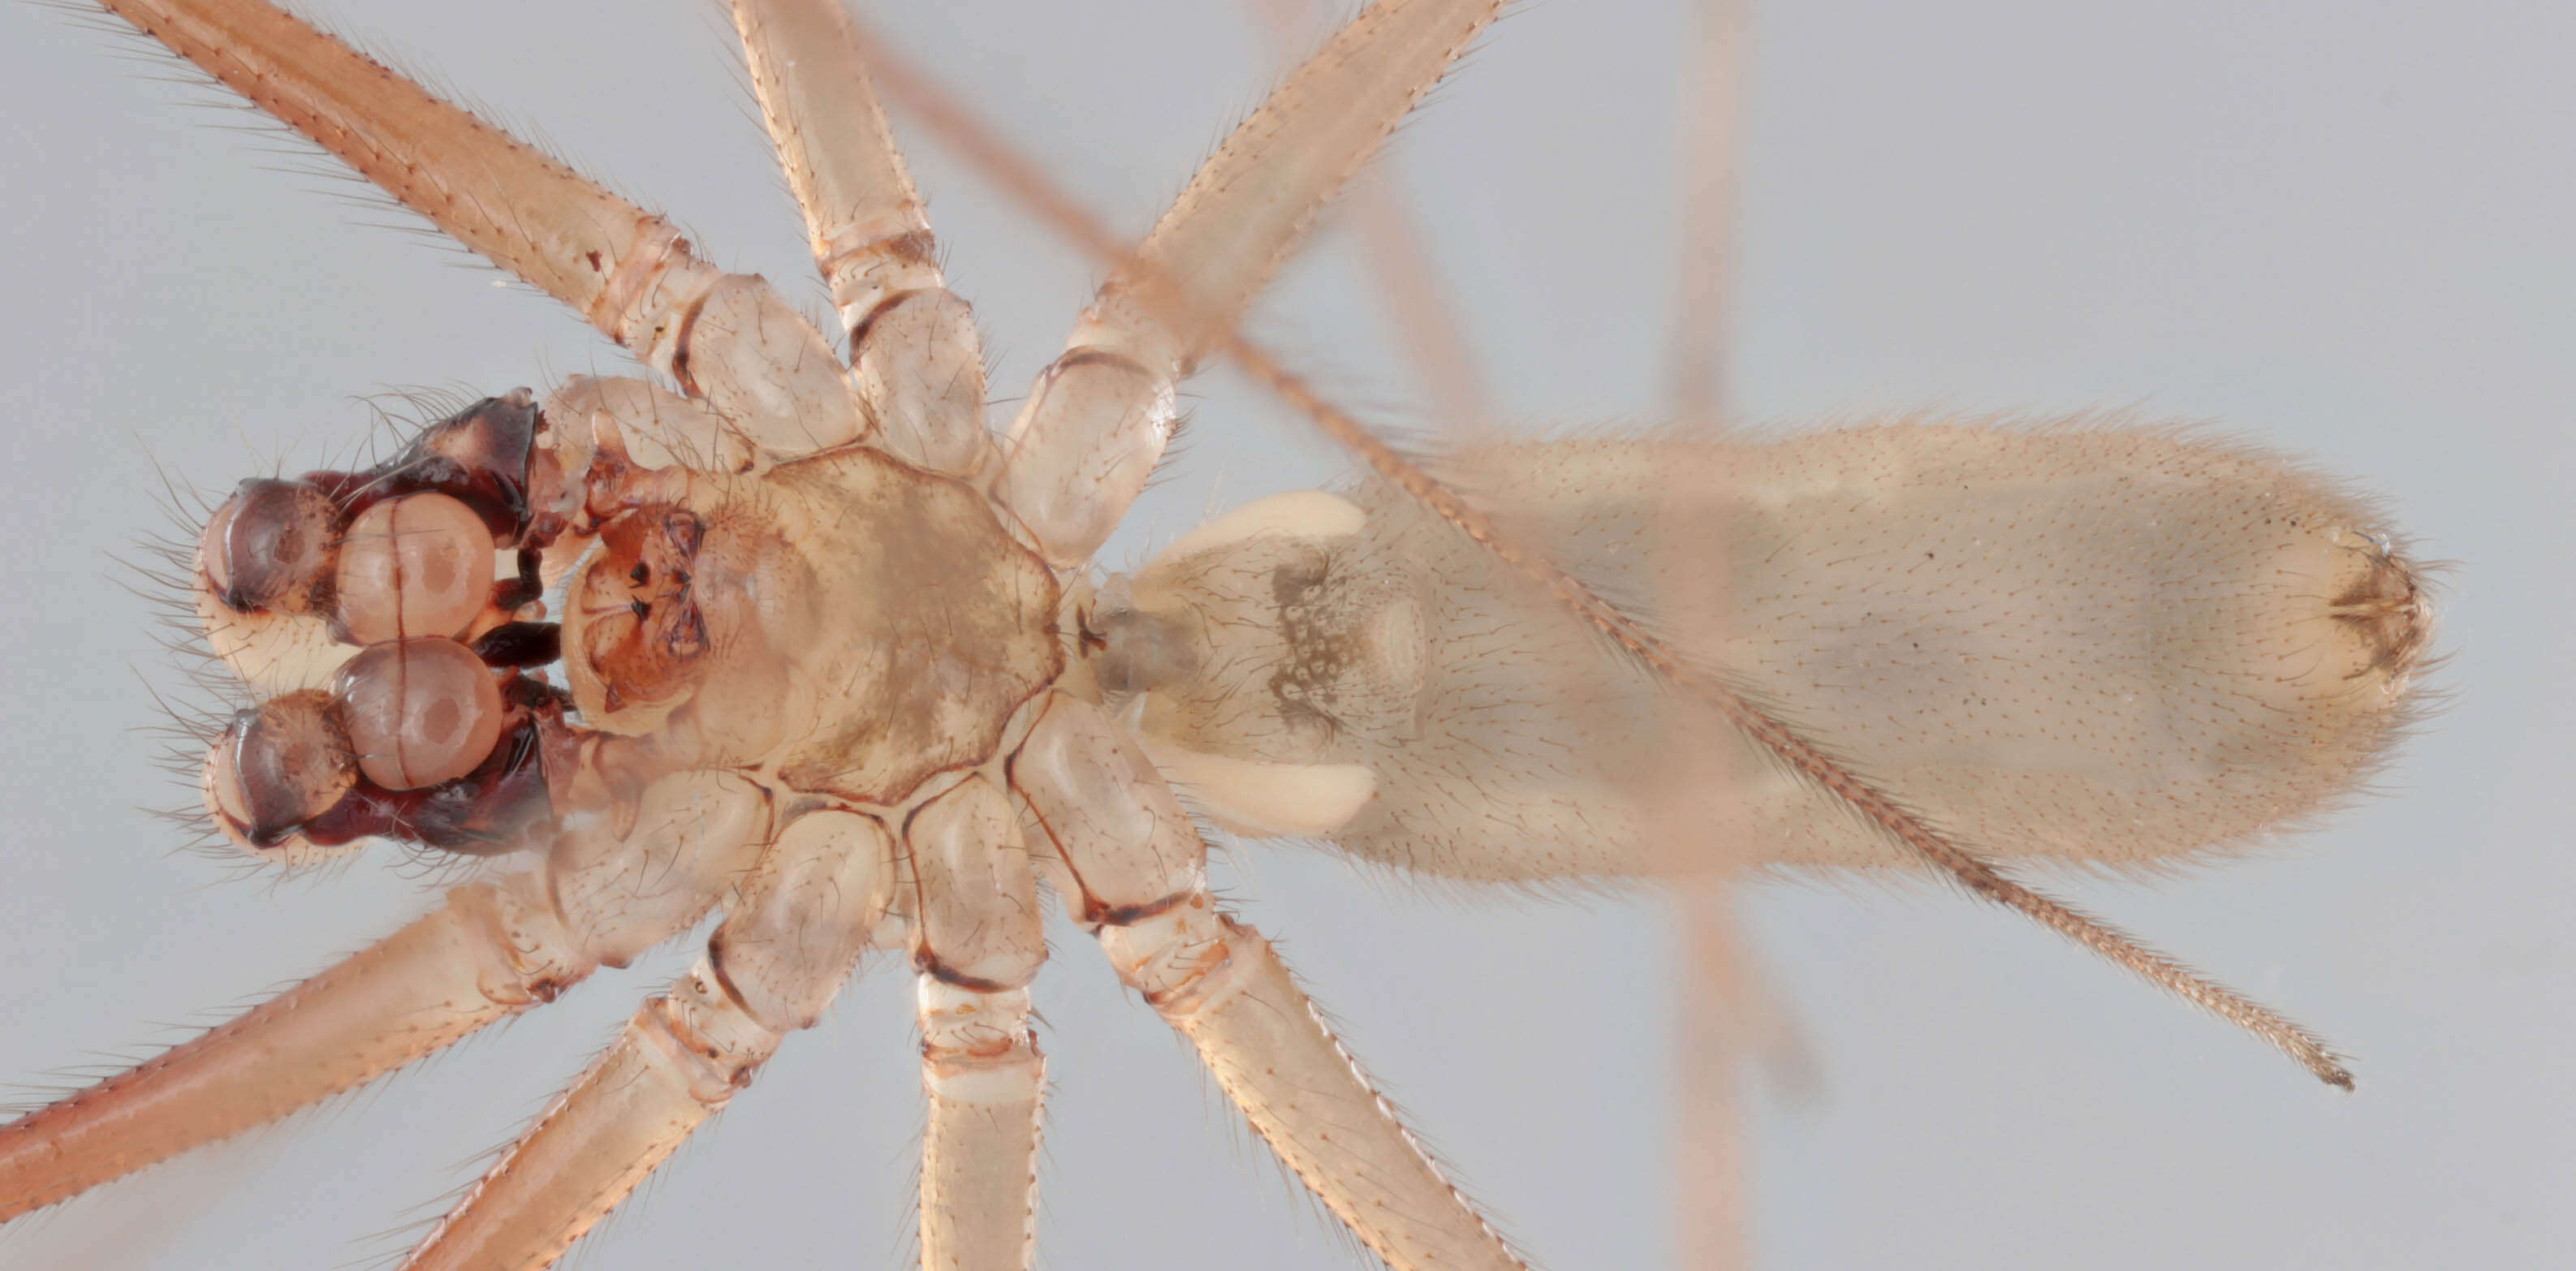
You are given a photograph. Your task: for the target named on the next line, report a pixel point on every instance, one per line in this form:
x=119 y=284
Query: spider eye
x=420 y=565
x=419 y=712
x=278 y=765
x=269 y=545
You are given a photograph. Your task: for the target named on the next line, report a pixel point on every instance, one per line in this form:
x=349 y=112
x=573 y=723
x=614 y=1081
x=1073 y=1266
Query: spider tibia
x=420 y=565
x=980 y=1085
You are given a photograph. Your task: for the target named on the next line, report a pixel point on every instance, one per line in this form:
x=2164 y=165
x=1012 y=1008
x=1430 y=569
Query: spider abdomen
x=2108 y=644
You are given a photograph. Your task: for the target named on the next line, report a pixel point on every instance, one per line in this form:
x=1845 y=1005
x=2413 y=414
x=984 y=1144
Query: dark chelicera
x=269 y=549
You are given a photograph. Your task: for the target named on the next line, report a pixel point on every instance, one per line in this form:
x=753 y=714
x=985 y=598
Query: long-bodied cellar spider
x=2393 y=302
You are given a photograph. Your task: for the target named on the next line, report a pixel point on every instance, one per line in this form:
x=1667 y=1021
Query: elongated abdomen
x=2102 y=644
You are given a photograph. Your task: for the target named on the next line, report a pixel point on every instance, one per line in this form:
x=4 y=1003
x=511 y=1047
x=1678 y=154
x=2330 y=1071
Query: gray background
x=2340 y=228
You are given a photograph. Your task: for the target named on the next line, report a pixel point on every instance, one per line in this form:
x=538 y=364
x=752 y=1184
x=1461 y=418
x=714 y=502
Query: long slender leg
x=983 y=1079
x=1711 y=981
x=725 y=337
x=523 y=211
x=1138 y=865
x=978 y=943
x=1223 y=987
x=1708 y=1153
x=1095 y=425
x=493 y=950
x=1695 y=358
x=490 y=952
x=914 y=353
x=1401 y=268
x=771 y=968
x=680 y=1059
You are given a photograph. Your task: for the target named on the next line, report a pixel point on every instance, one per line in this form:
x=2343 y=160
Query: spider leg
x=915 y=358
x=805 y=914
x=496 y=948
x=1401 y=270
x=1721 y=1005
x=491 y=951
x=679 y=1060
x=727 y=339
x=1083 y=447
x=1138 y=866
x=979 y=940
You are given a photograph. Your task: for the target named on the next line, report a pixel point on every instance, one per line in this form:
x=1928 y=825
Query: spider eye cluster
x=368 y=608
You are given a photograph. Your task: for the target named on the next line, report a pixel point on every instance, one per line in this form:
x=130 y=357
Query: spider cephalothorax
x=848 y=621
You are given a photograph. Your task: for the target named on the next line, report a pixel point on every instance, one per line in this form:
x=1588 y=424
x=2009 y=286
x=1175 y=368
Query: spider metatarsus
x=1292 y=793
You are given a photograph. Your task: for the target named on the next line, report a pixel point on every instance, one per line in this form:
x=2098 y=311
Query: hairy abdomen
x=2086 y=643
